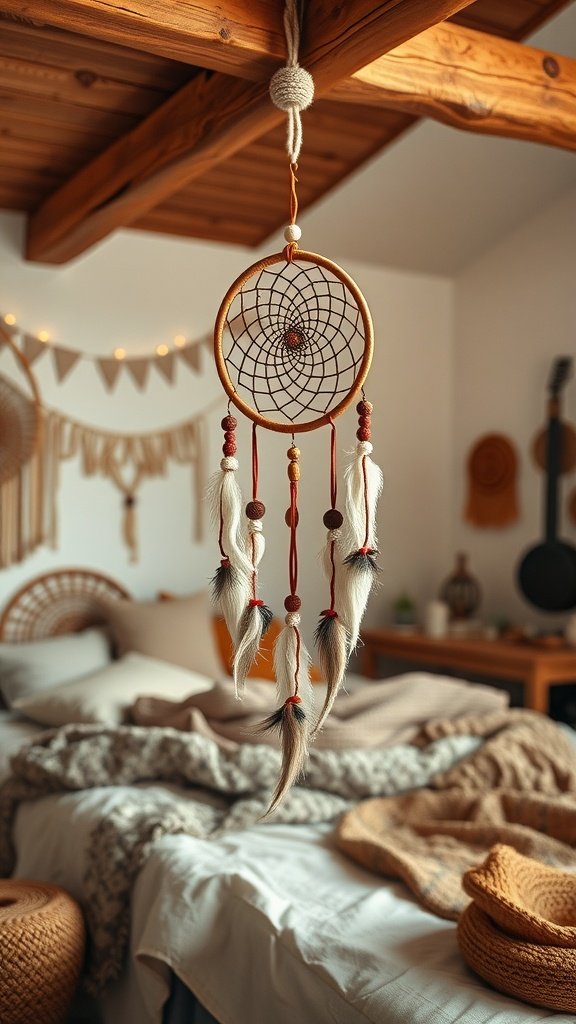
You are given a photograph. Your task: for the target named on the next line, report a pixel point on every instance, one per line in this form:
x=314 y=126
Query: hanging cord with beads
x=291 y=662
x=231 y=581
x=256 y=617
x=363 y=487
x=331 y=636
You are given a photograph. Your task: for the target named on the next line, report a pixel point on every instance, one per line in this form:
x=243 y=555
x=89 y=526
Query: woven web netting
x=295 y=341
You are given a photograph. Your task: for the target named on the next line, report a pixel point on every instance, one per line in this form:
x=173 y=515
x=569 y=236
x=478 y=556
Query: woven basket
x=42 y=940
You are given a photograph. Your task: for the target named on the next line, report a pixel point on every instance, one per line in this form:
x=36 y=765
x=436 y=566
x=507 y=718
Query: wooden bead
x=363 y=434
x=229 y=423
x=293 y=472
x=229 y=448
x=255 y=510
x=288 y=517
x=333 y=519
x=292 y=603
x=293 y=453
x=364 y=408
x=365 y=421
x=230 y=435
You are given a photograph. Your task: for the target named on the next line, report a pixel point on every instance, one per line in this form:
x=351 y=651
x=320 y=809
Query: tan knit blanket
x=375 y=715
x=519 y=788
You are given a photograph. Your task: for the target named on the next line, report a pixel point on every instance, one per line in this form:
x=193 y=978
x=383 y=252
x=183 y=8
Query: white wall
x=137 y=290
x=515 y=311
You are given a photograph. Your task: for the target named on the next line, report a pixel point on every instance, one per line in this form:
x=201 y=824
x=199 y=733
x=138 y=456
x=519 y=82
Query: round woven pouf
x=42 y=940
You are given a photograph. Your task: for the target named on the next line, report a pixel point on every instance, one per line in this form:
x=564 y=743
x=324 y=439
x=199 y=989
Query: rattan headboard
x=63 y=601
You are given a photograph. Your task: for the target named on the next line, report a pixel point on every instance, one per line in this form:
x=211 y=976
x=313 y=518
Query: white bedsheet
x=270 y=925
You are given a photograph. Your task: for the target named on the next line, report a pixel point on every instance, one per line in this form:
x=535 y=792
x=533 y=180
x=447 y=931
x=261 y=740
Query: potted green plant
x=404 y=609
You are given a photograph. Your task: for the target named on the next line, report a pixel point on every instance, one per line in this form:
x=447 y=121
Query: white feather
x=285 y=665
x=352 y=595
x=225 y=498
x=233 y=600
x=249 y=637
x=356 y=530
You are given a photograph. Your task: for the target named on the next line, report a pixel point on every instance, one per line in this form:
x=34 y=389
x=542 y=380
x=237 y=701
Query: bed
x=265 y=922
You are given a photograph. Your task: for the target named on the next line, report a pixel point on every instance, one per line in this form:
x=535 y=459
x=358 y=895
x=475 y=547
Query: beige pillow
x=178 y=631
x=105 y=696
x=36 y=666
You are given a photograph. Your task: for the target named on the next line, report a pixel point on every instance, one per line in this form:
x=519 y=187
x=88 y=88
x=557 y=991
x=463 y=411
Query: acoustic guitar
x=547 y=571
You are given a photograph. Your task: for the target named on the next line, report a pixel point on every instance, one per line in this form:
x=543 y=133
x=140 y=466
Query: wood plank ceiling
x=66 y=97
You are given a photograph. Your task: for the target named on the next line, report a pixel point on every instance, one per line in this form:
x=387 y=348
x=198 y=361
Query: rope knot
x=292 y=88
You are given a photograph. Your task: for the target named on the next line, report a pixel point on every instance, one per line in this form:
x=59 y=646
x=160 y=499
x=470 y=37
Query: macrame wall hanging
x=293 y=345
x=127 y=460
x=34 y=441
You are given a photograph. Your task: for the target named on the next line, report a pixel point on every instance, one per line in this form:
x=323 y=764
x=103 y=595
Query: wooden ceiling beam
x=208 y=121
x=244 y=38
x=478 y=82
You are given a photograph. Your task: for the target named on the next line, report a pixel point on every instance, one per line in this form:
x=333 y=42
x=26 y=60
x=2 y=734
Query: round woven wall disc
x=18 y=429
x=293 y=342
x=19 y=411
x=567 y=448
x=492 y=469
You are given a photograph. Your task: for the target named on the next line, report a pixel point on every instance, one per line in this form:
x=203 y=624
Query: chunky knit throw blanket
x=240 y=781
x=518 y=788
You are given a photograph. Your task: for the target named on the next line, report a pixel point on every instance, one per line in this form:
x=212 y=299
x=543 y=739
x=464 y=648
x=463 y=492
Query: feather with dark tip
x=331 y=640
x=292 y=723
x=363 y=561
x=353 y=590
x=230 y=591
x=253 y=625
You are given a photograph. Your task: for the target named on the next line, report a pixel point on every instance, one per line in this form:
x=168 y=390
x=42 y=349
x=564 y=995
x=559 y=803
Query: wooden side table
x=535 y=667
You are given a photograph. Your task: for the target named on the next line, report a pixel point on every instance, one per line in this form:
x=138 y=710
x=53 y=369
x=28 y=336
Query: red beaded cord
x=228 y=424
x=255 y=510
x=332 y=520
x=292 y=602
x=364 y=433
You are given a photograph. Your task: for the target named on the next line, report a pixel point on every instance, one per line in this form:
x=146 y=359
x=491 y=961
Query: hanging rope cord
x=292 y=87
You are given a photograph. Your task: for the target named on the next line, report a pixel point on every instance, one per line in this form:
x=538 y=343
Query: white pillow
x=105 y=696
x=29 y=668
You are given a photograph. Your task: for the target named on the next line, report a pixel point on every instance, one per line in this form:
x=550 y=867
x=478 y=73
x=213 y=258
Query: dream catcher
x=293 y=345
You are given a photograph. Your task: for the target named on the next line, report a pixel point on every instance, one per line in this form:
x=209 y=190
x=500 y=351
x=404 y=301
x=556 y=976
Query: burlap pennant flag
x=109 y=370
x=192 y=356
x=138 y=370
x=165 y=365
x=32 y=348
x=64 y=361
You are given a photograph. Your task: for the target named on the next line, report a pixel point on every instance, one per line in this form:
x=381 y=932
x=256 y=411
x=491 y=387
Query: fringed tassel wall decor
x=363 y=487
x=231 y=581
x=256 y=617
x=331 y=636
x=293 y=717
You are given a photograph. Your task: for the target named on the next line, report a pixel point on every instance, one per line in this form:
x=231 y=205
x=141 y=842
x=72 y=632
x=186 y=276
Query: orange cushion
x=263 y=667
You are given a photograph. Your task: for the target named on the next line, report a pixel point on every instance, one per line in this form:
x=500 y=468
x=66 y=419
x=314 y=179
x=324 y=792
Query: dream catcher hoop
x=293 y=343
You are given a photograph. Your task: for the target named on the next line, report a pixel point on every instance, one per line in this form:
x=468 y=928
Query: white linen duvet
x=269 y=925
